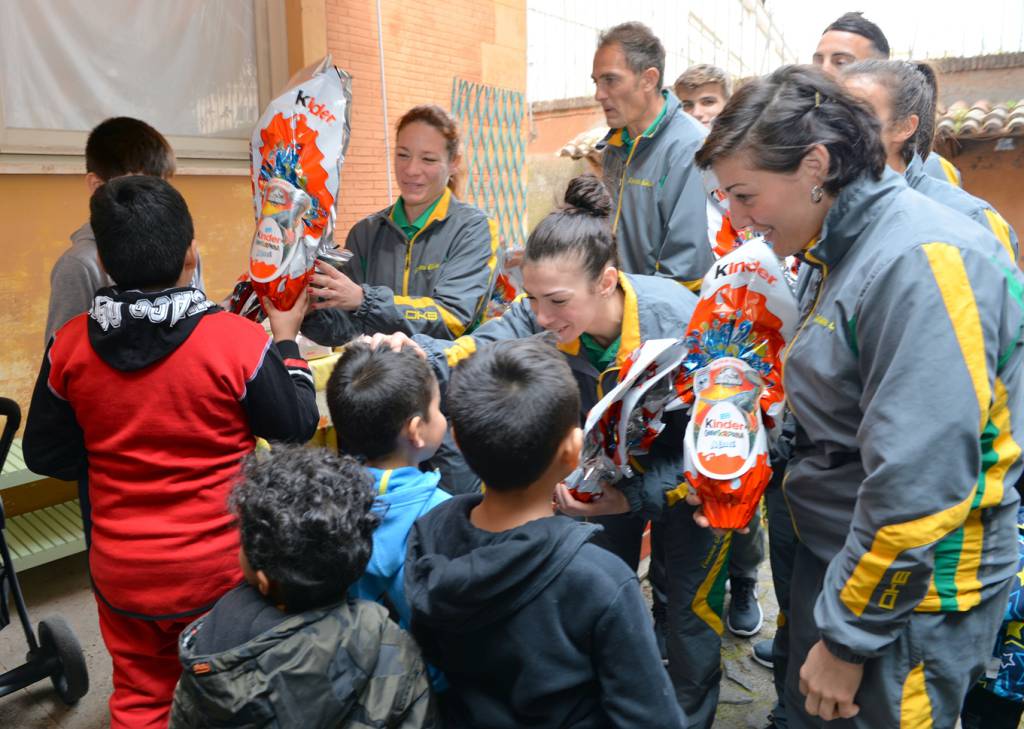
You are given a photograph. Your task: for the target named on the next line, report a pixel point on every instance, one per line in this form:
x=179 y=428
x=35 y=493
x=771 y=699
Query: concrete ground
x=62 y=588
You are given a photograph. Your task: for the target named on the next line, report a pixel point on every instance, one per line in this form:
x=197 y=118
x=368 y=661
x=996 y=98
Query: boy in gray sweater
x=118 y=146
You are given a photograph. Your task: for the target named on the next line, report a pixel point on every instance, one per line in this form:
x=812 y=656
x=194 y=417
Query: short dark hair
x=582 y=227
x=857 y=24
x=373 y=393
x=126 y=146
x=641 y=47
x=305 y=519
x=511 y=404
x=912 y=88
x=703 y=74
x=143 y=230
x=780 y=117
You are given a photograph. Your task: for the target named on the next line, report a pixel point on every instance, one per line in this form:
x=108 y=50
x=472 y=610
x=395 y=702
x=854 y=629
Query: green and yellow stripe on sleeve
x=958 y=529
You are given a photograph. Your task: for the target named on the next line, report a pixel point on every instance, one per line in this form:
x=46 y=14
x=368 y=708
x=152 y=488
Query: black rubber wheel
x=71 y=680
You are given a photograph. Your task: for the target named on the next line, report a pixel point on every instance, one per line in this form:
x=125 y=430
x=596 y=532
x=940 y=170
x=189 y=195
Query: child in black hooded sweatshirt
x=531 y=623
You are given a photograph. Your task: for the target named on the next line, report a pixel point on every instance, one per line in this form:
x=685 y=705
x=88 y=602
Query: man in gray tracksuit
x=660 y=221
x=905 y=380
x=658 y=195
x=660 y=203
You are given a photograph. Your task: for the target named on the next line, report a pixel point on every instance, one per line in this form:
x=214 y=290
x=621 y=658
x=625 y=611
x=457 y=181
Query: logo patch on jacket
x=639 y=181
x=823 y=322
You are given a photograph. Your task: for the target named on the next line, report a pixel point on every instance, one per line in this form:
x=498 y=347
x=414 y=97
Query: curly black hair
x=305 y=520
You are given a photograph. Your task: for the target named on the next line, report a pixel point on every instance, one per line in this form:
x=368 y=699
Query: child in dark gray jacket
x=287 y=647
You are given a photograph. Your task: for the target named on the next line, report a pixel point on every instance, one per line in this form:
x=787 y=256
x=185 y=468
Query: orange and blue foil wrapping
x=298 y=148
x=731 y=378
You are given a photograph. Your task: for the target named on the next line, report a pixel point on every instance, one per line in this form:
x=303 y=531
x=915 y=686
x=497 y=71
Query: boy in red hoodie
x=159 y=393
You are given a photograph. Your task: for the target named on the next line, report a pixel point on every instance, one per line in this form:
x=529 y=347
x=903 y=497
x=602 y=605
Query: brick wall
x=426 y=44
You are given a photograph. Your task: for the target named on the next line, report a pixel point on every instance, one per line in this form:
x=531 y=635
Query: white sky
x=915 y=28
x=561 y=33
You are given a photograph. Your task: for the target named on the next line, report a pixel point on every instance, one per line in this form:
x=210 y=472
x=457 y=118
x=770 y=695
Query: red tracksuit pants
x=146 y=667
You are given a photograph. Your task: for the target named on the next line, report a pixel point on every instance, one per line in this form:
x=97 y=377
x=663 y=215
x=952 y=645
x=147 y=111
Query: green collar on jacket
x=401 y=219
x=436 y=212
x=620 y=137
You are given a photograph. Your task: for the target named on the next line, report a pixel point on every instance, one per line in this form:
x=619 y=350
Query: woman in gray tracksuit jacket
x=426 y=264
x=423 y=265
x=904 y=378
x=599 y=316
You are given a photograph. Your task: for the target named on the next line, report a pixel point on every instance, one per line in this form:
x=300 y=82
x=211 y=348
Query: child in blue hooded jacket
x=386 y=410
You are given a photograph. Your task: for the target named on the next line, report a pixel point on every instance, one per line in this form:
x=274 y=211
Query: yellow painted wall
x=39 y=212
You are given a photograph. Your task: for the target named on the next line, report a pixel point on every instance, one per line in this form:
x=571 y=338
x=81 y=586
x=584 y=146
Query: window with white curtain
x=200 y=71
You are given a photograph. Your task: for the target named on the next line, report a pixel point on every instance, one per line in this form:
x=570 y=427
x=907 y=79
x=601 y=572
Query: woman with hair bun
x=905 y=382
x=599 y=315
x=423 y=265
x=903 y=95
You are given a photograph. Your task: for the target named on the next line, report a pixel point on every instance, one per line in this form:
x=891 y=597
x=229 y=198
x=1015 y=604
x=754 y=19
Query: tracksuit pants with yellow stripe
x=921 y=679
x=695 y=573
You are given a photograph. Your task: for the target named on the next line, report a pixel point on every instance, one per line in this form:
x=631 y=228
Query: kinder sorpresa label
x=267 y=253
x=723 y=442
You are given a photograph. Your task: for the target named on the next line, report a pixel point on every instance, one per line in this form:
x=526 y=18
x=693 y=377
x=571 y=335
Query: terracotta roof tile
x=584 y=144
x=981 y=120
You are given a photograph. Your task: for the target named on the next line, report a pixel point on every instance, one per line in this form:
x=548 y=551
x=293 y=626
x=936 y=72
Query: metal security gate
x=493 y=125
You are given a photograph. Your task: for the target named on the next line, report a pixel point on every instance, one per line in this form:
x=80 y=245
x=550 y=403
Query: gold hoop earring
x=816 y=194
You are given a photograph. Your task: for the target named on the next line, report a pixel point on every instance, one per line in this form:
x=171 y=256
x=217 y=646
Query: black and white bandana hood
x=133 y=329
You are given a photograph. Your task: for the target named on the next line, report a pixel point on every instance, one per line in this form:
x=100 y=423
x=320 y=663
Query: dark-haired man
x=660 y=220
x=660 y=216
x=852 y=37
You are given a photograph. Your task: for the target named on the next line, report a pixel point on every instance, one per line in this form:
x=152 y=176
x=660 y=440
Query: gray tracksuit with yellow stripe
x=939 y=168
x=436 y=283
x=660 y=220
x=905 y=380
x=654 y=308
x=963 y=202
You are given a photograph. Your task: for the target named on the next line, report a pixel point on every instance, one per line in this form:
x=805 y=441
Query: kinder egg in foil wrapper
x=298 y=149
x=626 y=421
x=732 y=380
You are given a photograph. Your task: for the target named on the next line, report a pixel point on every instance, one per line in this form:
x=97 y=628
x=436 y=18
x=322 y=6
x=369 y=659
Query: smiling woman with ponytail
x=599 y=316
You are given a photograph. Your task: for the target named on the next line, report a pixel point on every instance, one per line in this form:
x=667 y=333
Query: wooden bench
x=43 y=519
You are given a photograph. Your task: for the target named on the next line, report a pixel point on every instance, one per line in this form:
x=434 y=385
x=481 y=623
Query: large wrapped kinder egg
x=298 y=149
x=731 y=378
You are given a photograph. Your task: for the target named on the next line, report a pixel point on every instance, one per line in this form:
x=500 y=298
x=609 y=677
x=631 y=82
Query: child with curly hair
x=287 y=647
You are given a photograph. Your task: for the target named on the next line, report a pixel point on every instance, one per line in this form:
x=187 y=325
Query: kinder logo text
x=728 y=269
x=314 y=107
